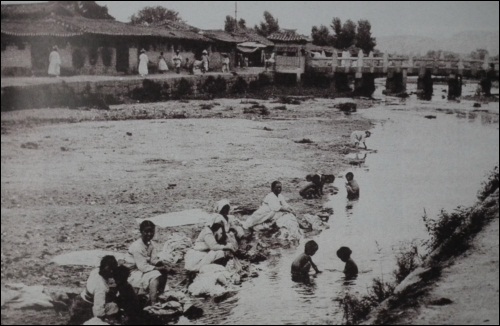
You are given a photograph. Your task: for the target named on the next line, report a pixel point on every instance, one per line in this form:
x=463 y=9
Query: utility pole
x=235 y=16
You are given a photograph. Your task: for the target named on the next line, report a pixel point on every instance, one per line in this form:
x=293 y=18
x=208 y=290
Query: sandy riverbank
x=76 y=179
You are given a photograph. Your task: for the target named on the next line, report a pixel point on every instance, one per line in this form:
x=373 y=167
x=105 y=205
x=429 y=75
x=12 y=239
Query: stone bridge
x=364 y=69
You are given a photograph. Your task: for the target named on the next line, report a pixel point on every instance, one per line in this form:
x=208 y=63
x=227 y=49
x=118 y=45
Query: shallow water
x=419 y=164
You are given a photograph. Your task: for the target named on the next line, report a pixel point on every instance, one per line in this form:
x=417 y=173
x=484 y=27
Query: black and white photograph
x=250 y=163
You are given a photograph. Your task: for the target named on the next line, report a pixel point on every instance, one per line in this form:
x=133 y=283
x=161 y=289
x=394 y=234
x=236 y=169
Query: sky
x=433 y=19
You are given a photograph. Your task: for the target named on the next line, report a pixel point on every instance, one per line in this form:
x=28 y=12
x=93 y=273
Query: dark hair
x=349 y=175
x=146 y=224
x=121 y=274
x=310 y=247
x=108 y=261
x=316 y=179
x=224 y=208
x=344 y=253
x=274 y=184
x=216 y=226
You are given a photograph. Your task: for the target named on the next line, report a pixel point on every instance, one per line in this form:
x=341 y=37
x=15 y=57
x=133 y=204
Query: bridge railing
x=370 y=63
x=286 y=63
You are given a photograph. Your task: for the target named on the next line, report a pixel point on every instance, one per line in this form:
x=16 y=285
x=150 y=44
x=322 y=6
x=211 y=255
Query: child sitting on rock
x=350 y=269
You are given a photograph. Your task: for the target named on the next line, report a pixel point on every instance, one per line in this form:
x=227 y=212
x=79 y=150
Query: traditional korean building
x=86 y=46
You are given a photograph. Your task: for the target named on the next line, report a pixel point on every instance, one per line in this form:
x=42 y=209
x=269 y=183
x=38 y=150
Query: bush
x=214 y=86
x=355 y=310
x=262 y=81
x=240 y=86
x=490 y=185
x=380 y=291
x=407 y=260
x=184 y=88
x=151 y=91
x=444 y=226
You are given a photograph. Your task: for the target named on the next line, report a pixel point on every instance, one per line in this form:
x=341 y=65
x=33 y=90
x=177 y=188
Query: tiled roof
x=58 y=19
x=254 y=37
x=36 y=10
x=236 y=37
x=176 y=25
x=223 y=36
x=287 y=36
x=47 y=27
x=61 y=26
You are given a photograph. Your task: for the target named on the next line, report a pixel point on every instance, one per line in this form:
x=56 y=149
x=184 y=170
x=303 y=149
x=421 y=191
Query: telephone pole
x=235 y=16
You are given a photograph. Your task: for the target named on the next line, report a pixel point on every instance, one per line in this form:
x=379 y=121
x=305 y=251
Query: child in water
x=302 y=264
x=350 y=269
x=351 y=186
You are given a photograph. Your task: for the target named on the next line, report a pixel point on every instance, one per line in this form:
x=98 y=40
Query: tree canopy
x=345 y=35
x=89 y=9
x=230 y=24
x=150 y=15
x=268 y=26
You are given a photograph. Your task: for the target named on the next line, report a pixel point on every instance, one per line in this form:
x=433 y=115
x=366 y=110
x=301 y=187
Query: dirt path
x=471 y=283
x=26 y=81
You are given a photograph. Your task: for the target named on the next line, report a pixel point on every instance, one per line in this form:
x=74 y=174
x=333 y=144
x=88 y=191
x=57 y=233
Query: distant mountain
x=464 y=42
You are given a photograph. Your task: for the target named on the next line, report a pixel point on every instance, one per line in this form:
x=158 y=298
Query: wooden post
x=460 y=66
x=371 y=62
x=347 y=61
x=410 y=65
x=448 y=67
x=405 y=77
x=386 y=62
x=334 y=61
x=360 y=62
x=486 y=64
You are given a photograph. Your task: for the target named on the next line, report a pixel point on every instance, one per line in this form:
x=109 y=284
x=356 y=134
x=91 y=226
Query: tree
x=230 y=24
x=348 y=35
x=89 y=9
x=321 y=36
x=269 y=26
x=345 y=35
x=479 y=54
x=364 y=39
x=150 y=15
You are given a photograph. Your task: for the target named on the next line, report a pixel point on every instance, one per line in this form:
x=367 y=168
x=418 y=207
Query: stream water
x=419 y=164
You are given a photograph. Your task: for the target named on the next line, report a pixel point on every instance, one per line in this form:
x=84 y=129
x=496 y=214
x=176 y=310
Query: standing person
x=94 y=300
x=225 y=63
x=143 y=63
x=177 y=60
x=149 y=273
x=358 y=137
x=204 y=59
x=54 y=62
x=162 y=64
